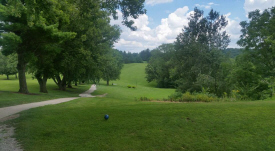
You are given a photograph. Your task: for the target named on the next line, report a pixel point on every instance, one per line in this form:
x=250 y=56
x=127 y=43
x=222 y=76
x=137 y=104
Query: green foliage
x=195 y=97
x=248 y=81
x=195 y=60
x=144 y=99
x=9 y=43
x=232 y=52
x=131 y=57
x=129 y=86
x=73 y=34
x=111 y=65
x=145 y=55
x=258 y=40
x=199 y=54
x=8 y=64
x=160 y=67
x=129 y=8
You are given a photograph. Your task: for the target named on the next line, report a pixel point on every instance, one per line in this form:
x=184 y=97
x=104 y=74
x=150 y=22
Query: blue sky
x=158 y=11
x=165 y=19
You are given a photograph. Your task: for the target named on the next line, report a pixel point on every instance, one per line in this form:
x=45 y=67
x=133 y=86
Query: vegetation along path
x=8 y=111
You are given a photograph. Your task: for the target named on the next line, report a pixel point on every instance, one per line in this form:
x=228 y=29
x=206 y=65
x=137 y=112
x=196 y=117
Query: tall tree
x=258 y=39
x=199 y=47
x=27 y=26
x=8 y=64
x=145 y=55
x=111 y=65
x=160 y=67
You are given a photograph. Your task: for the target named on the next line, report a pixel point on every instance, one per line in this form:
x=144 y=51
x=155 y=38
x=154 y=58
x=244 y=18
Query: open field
x=136 y=125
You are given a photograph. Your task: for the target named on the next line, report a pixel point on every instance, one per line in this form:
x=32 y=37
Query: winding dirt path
x=7 y=111
x=7 y=142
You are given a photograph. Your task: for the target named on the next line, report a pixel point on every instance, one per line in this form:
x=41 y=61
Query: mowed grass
x=10 y=97
x=136 y=125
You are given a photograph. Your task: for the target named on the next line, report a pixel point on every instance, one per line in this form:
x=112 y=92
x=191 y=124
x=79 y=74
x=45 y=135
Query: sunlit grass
x=137 y=125
x=9 y=89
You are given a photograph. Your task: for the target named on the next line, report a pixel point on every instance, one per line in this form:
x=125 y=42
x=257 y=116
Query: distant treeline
x=129 y=57
x=145 y=55
x=232 y=52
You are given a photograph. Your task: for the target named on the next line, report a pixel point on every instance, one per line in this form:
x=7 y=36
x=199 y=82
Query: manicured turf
x=9 y=89
x=136 y=125
x=80 y=125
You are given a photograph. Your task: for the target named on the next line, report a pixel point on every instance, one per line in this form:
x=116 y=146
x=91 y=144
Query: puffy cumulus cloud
x=234 y=30
x=154 y=2
x=251 y=5
x=145 y=37
x=208 y=6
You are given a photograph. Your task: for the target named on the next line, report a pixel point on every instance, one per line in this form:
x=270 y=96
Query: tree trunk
x=16 y=75
x=42 y=83
x=8 y=77
x=70 y=84
x=108 y=81
x=75 y=82
x=21 y=67
x=60 y=82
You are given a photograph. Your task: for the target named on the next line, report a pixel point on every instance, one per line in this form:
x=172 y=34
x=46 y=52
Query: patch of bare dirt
x=7 y=142
x=11 y=117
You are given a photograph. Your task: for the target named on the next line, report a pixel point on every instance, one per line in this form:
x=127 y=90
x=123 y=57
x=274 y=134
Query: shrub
x=133 y=86
x=129 y=86
x=175 y=96
x=144 y=99
x=195 y=97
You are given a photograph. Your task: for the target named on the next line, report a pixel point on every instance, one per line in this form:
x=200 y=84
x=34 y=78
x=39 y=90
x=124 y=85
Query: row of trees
x=197 y=61
x=66 y=40
x=129 y=57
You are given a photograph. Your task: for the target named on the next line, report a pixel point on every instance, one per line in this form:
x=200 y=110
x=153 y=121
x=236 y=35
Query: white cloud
x=154 y=2
x=208 y=6
x=145 y=37
x=234 y=30
x=251 y=5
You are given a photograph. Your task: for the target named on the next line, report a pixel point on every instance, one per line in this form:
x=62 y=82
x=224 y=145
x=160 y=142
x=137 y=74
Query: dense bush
x=195 y=97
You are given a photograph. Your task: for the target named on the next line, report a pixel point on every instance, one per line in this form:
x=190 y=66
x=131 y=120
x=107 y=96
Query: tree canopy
x=61 y=38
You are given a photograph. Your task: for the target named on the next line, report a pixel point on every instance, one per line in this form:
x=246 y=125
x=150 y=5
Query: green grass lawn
x=9 y=89
x=136 y=125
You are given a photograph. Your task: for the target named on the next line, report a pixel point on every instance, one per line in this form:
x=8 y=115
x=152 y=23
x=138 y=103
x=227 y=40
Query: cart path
x=88 y=92
x=7 y=141
x=7 y=111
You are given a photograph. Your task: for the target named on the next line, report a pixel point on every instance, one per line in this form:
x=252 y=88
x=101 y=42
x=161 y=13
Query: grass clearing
x=10 y=97
x=136 y=125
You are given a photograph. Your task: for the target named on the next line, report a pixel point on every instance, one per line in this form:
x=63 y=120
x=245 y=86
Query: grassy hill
x=136 y=125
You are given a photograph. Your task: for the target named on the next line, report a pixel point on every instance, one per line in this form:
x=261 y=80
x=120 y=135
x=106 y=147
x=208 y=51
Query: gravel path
x=7 y=142
x=88 y=92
